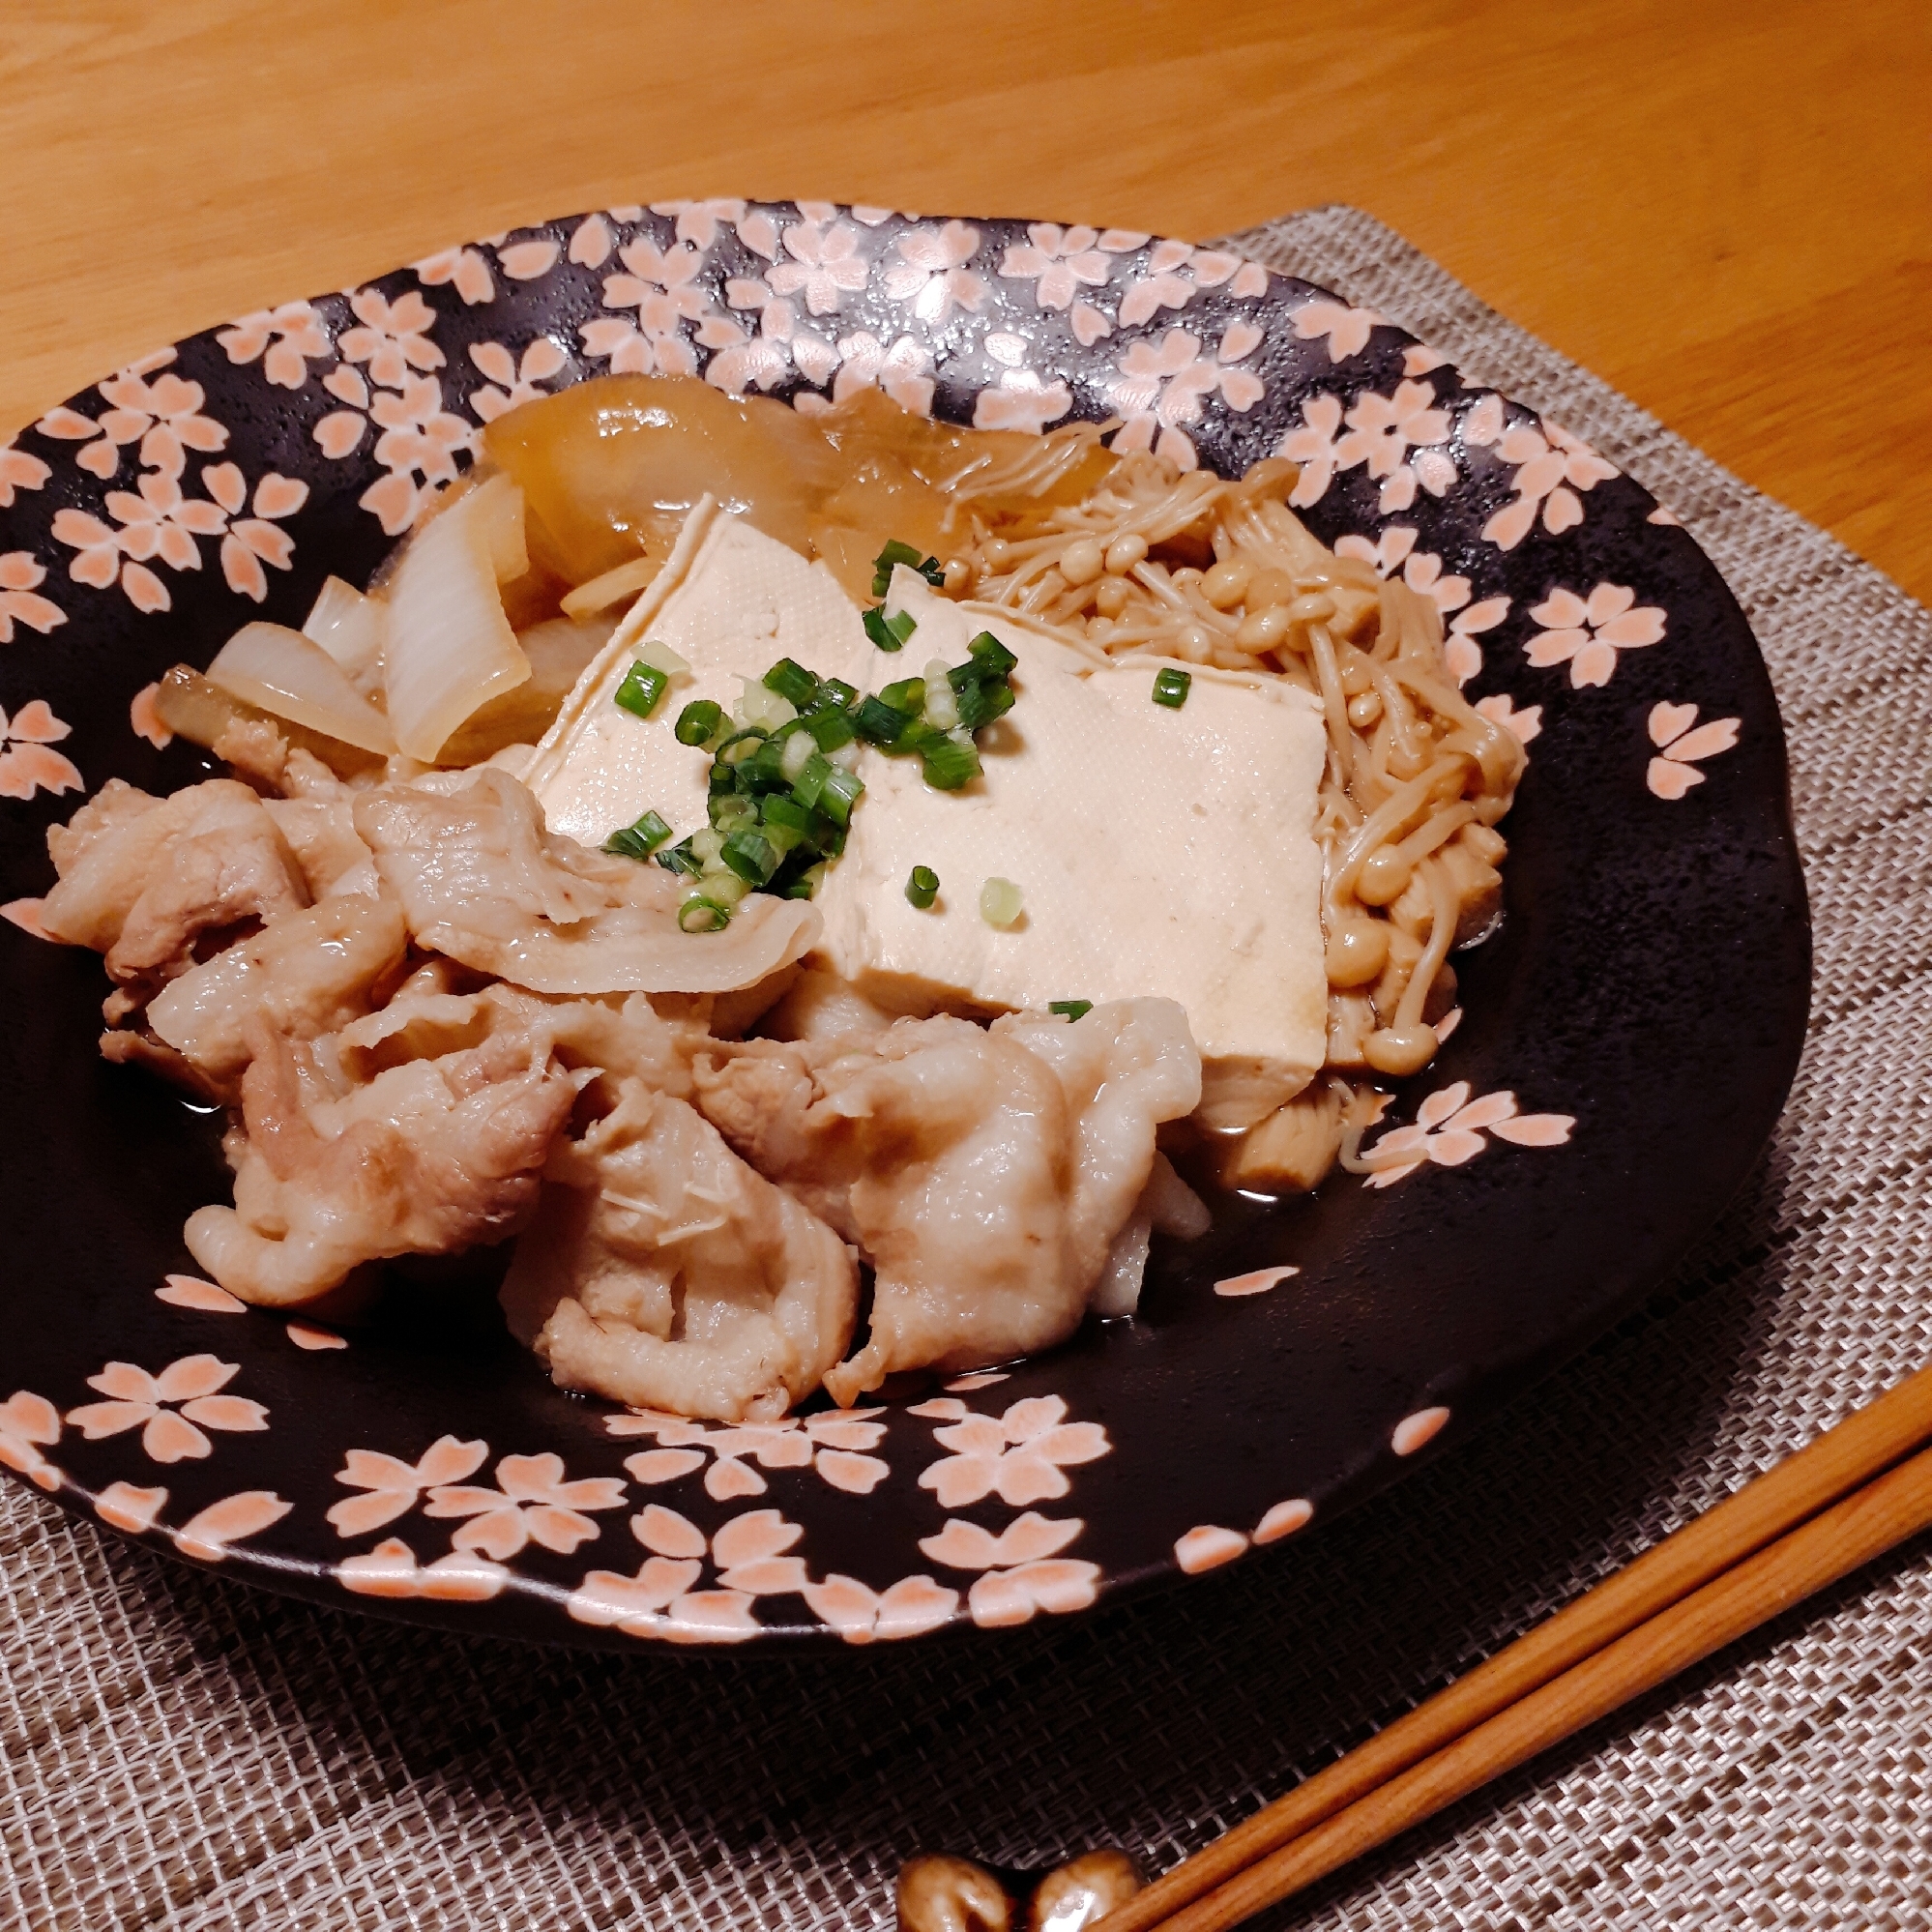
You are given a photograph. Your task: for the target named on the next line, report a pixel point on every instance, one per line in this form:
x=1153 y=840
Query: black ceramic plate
x=1624 y=1046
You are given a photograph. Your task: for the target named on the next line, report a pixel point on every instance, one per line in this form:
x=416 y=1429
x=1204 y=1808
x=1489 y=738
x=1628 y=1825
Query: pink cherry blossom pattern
x=1023 y=399
x=1058 y=262
x=173 y=1409
x=129 y=1506
x=1345 y=329
x=163 y=417
x=1161 y=388
x=467 y=267
x=513 y=380
x=284 y=340
x=20 y=471
x=698 y=222
x=392 y=1487
x=527 y=261
x=1389 y=552
x=1553 y=467
x=1024 y=1571
x=1314 y=444
x=1021 y=1456
x=823 y=263
x=145 y=720
x=1382 y=430
x=190 y=1291
x=1501 y=709
x=751 y=1554
x=313 y=1338
x=209 y=1533
x=831 y=1444
x=747 y=360
x=900 y=372
x=591 y=239
x=1680 y=748
x=390 y=338
x=862 y=1615
x=420 y=440
x=980 y=1378
x=252 y=540
x=1587 y=632
x=28 y=1424
x=534 y=1503
x=1027 y=1538
x=1174 y=270
x=1423 y=572
x=1419 y=358
x=1284 y=1519
x=932 y=277
x=661 y=284
x=1412 y=1432
x=390 y=1570
x=1207 y=1546
x=28 y=762
x=1258 y=1281
x=1664 y=514
x=1448 y=1130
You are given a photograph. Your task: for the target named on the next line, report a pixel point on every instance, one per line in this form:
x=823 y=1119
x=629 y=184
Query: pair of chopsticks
x=1817 y=1516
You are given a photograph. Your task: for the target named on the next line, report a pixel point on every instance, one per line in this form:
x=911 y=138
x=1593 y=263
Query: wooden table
x=1727 y=211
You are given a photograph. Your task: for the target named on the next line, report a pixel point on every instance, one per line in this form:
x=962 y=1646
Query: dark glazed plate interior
x=1625 y=1039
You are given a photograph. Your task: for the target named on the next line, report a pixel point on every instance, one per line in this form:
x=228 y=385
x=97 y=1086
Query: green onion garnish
x=810 y=781
x=981 y=702
x=877 y=723
x=777 y=810
x=889 y=633
x=792 y=682
x=841 y=792
x=752 y=856
x=908 y=695
x=833 y=694
x=731 y=811
x=680 y=857
x=992 y=655
x=642 y=687
x=1072 y=1009
x=923 y=886
x=949 y=763
x=698 y=721
x=829 y=729
x=1171 y=688
x=896 y=552
x=639 y=841
x=703 y=915
x=1000 y=902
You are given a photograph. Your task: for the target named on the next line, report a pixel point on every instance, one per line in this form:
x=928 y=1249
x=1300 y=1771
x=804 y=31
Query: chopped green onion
x=698 y=721
x=703 y=915
x=706 y=845
x=908 y=695
x=759 y=704
x=741 y=745
x=776 y=808
x=980 y=703
x=923 y=886
x=1072 y=1009
x=889 y=633
x=833 y=694
x=841 y=791
x=792 y=682
x=1000 y=902
x=877 y=723
x=915 y=736
x=829 y=729
x=732 y=813
x=896 y=552
x=812 y=781
x=1171 y=688
x=642 y=687
x=807 y=884
x=949 y=763
x=797 y=750
x=680 y=857
x=992 y=655
x=752 y=856
x=639 y=841
x=765 y=769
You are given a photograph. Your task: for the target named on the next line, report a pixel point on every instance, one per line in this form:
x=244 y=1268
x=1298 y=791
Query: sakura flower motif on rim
x=698 y=222
x=20 y=471
x=467 y=267
x=1058 y=262
x=932 y=276
x=1315 y=446
x=862 y=1615
x=129 y=1507
x=512 y=381
x=390 y=338
x=1161 y=387
x=173 y=1409
x=27 y=762
x=749 y=1554
x=1553 y=467
x=392 y=1487
x=1020 y=1456
x=1164 y=286
x=160 y=523
x=534 y=1503
x=1024 y=1570
x=284 y=340
x=28 y=1424
x=250 y=541
x=163 y=417
x=1383 y=428
x=831 y=1445
x=1673 y=773
x=662 y=285
x=1586 y=633
x=1345 y=329
x=1022 y=400
x=209 y=1533
x=1501 y=709
x=1388 y=554
x=591 y=239
x=745 y=360
x=825 y=264
x=390 y=1570
x=900 y=372
x=1448 y=1130
x=420 y=438
x=527 y=261
x=21 y=574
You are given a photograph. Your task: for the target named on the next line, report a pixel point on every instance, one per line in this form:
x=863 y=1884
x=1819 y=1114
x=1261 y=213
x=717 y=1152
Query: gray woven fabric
x=178 y=1750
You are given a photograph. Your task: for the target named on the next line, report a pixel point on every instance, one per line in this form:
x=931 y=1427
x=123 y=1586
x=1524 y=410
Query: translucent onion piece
x=349 y=626
x=294 y=677
x=451 y=648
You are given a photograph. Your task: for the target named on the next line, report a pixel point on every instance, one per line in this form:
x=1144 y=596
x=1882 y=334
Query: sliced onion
x=451 y=648
x=349 y=626
x=295 y=678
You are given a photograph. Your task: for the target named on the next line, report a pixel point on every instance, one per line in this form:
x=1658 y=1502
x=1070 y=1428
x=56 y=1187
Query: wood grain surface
x=1725 y=209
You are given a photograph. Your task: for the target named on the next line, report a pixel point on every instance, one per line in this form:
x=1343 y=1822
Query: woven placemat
x=179 y=1750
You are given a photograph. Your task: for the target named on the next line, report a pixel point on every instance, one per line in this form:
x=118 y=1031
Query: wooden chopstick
x=1729 y=1565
